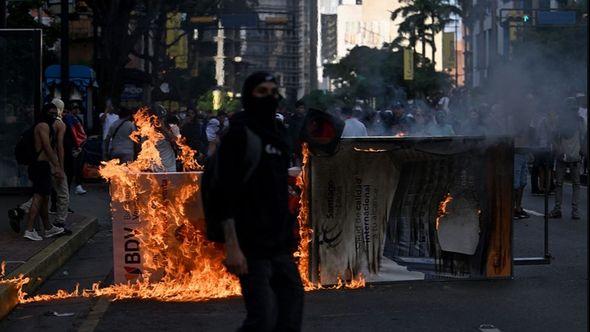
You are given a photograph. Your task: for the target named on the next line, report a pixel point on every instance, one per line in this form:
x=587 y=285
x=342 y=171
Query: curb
x=44 y=263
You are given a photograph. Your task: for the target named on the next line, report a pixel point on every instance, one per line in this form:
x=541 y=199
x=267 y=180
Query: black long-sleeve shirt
x=260 y=205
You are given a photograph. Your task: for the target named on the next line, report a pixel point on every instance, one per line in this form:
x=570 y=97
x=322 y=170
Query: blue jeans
x=520 y=171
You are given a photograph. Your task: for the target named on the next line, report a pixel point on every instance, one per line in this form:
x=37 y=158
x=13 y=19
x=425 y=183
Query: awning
x=81 y=76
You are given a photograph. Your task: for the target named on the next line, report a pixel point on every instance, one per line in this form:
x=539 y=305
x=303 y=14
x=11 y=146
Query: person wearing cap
x=60 y=185
x=258 y=228
x=568 y=148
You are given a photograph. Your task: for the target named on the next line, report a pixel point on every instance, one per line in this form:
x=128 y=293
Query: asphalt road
x=539 y=298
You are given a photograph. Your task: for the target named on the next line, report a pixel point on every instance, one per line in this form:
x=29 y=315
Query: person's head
x=75 y=109
x=347 y=112
x=260 y=96
x=190 y=115
x=221 y=115
x=59 y=104
x=582 y=100
x=124 y=112
x=300 y=107
x=398 y=109
x=48 y=112
x=172 y=119
x=571 y=105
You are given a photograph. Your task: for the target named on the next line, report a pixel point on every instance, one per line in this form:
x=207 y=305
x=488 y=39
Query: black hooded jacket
x=260 y=205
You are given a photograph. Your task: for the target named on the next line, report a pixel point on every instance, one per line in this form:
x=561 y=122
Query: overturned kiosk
x=373 y=209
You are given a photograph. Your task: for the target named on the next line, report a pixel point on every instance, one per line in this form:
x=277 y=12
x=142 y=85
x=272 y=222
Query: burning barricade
x=377 y=210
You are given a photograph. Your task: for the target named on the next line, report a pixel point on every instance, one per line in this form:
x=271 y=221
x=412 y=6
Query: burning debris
x=180 y=265
x=442 y=209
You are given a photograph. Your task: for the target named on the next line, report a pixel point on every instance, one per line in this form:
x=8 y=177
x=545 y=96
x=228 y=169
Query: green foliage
x=422 y=20
x=322 y=100
x=229 y=105
x=371 y=74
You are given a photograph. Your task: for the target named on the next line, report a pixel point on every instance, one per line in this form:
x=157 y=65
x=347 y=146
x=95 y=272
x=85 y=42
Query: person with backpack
x=118 y=143
x=39 y=150
x=245 y=196
x=60 y=195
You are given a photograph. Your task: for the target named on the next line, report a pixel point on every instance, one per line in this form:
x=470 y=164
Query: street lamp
x=238 y=59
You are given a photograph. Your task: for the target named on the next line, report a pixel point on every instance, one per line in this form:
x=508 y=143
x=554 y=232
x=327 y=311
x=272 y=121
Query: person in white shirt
x=107 y=118
x=582 y=107
x=352 y=126
x=215 y=128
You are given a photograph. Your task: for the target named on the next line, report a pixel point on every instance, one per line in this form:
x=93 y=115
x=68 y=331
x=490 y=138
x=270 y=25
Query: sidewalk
x=36 y=259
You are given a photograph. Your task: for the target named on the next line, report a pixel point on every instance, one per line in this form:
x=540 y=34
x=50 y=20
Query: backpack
x=213 y=196
x=24 y=151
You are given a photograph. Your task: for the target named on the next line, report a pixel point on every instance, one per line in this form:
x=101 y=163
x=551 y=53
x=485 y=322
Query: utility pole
x=219 y=70
x=65 y=55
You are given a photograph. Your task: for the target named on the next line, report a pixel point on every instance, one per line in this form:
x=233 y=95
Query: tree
x=376 y=75
x=423 y=20
x=414 y=26
x=122 y=24
x=441 y=13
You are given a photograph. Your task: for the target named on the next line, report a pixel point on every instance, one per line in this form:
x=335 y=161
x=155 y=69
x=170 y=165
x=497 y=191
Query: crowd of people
x=544 y=134
x=257 y=226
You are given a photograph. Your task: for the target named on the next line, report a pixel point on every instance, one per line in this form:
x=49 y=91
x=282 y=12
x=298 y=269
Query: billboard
x=448 y=50
x=129 y=254
x=412 y=209
x=408 y=64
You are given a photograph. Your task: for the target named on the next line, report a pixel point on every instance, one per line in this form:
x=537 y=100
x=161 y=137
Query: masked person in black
x=258 y=231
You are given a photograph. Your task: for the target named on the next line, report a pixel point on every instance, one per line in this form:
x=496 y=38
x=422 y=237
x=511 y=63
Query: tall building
x=345 y=24
x=284 y=42
x=492 y=27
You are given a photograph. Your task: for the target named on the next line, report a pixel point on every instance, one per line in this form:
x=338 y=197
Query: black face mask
x=264 y=107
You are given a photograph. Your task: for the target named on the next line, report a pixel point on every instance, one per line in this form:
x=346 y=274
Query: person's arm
x=60 y=130
x=42 y=131
x=235 y=261
x=106 y=144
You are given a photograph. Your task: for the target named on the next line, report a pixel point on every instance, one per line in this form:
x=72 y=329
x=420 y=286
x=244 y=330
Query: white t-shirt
x=583 y=112
x=108 y=122
x=354 y=128
x=213 y=128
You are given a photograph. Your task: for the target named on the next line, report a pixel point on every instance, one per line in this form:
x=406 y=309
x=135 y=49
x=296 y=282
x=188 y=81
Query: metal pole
x=65 y=55
x=547 y=185
x=456 y=54
x=2 y=14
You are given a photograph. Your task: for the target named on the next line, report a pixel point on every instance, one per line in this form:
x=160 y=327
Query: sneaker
x=59 y=224
x=32 y=235
x=516 y=215
x=15 y=216
x=79 y=190
x=53 y=231
x=555 y=214
x=575 y=215
x=524 y=215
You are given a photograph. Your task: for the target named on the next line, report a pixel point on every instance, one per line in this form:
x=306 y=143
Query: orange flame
x=442 y=208
x=370 y=150
x=305 y=234
x=192 y=270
